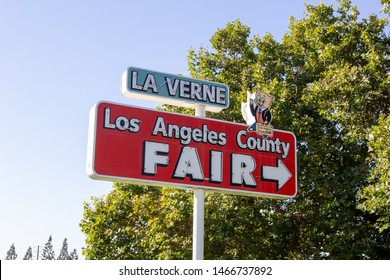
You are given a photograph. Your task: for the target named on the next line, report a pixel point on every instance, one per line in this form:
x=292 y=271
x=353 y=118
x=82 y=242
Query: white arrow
x=278 y=173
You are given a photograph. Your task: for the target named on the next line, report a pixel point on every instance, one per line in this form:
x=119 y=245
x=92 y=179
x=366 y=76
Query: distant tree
x=28 y=255
x=64 y=255
x=73 y=255
x=48 y=252
x=11 y=254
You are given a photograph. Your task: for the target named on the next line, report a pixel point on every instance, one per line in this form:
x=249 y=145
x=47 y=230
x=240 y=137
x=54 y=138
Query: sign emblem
x=256 y=112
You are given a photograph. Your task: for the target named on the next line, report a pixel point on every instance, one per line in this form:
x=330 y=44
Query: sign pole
x=198 y=211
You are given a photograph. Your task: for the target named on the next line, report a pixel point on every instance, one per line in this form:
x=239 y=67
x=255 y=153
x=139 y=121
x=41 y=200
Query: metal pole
x=198 y=211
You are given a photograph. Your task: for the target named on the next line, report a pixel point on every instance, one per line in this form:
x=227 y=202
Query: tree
x=11 y=253
x=329 y=76
x=376 y=196
x=48 y=252
x=134 y=222
x=386 y=6
x=64 y=255
x=73 y=255
x=28 y=255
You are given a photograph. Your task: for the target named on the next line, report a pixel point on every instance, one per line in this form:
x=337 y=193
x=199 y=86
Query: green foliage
x=386 y=6
x=229 y=65
x=376 y=196
x=329 y=76
x=134 y=222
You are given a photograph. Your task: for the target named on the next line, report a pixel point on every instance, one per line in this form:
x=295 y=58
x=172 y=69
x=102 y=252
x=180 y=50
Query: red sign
x=138 y=145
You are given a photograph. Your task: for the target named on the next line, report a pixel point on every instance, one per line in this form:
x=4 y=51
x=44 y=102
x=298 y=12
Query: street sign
x=138 y=145
x=138 y=83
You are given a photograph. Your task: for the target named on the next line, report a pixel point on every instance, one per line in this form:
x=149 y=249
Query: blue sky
x=57 y=59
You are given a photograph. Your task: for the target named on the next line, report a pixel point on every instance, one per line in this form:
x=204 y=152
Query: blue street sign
x=173 y=89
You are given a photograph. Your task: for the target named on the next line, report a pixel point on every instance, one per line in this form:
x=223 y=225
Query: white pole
x=198 y=220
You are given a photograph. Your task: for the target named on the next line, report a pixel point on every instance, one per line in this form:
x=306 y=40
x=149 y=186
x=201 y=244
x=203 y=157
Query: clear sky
x=57 y=59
